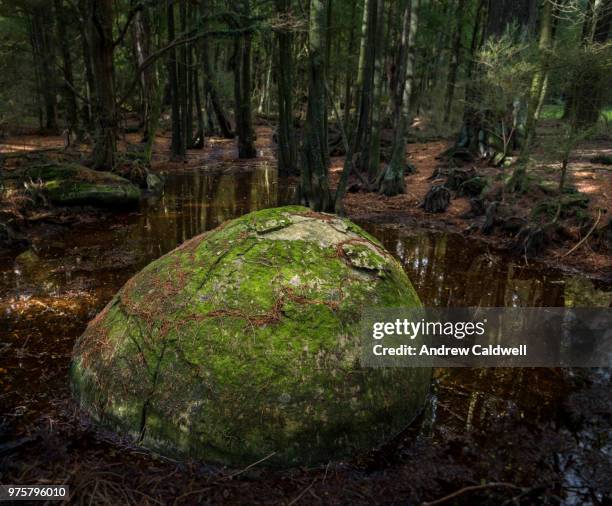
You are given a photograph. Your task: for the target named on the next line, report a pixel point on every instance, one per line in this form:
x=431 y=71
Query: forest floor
x=593 y=180
x=590 y=258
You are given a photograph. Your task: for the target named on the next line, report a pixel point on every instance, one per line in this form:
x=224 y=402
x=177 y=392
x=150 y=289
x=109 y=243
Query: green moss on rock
x=243 y=343
x=73 y=184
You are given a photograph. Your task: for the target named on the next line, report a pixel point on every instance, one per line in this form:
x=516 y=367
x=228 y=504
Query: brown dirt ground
x=592 y=179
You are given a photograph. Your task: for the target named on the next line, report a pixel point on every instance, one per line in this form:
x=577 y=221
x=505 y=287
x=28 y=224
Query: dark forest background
x=332 y=76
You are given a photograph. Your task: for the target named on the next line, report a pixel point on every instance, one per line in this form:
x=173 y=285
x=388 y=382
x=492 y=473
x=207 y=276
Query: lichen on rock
x=243 y=344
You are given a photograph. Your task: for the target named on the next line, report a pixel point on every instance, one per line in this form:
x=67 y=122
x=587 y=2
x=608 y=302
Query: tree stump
x=477 y=208
x=532 y=239
x=458 y=176
x=437 y=199
x=490 y=217
x=472 y=187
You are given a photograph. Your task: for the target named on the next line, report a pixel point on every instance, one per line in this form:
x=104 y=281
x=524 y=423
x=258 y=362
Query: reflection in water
x=46 y=299
x=450 y=270
x=193 y=203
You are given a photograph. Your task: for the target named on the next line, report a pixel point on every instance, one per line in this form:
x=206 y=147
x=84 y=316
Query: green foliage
x=552 y=111
x=581 y=74
x=555 y=111
x=507 y=69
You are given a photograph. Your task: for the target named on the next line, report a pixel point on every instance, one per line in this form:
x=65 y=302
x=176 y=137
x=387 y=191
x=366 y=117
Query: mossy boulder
x=73 y=184
x=244 y=344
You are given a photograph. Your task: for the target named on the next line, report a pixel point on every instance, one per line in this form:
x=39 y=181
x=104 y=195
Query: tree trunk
x=177 y=145
x=72 y=117
x=242 y=86
x=142 y=46
x=156 y=105
x=366 y=71
x=43 y=37
x=199 y=138
x=374 y=151
x=362 y=53
x=314 y=182
x=349 y=69
x=454 y=63
x=183 y=81
x=392 y=182
x=210 y=113
x=37 y=74
x=210 y=90
x=101 y=46
x=394 y=57
x=517 y=181
x=287 y=152
x=90 y=83
x=264 y=97
x=539 y=78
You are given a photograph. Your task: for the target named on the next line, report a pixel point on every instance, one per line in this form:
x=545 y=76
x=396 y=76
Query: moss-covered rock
x=73 y=184
x=243 y=343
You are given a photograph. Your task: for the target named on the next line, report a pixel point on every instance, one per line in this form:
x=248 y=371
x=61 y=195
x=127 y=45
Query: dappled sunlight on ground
x=28 y=143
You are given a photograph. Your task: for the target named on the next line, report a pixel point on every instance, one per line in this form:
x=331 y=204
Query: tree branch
x=135 y=10
x=175 y=43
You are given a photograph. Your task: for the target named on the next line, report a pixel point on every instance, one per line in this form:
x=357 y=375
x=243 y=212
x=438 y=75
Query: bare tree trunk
x=517 y=181
x=43 y=37
x=349 y=70
x=374 y=160
x=177 y=146
x=392 y=181
x=264 y=97
x=314 y=182
x=455 y=59
x=101 y=46
x=72 y=116
x=183 y=81
x=143 y=46
x=242 y=87
x=537 y=84
x=210 y=113
x=362 y=53
x=199 y=137
x=287 y=151
x=393 y=59
x=90 y=84
x=36 y=61
x=210 y=90
x=366 y=71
